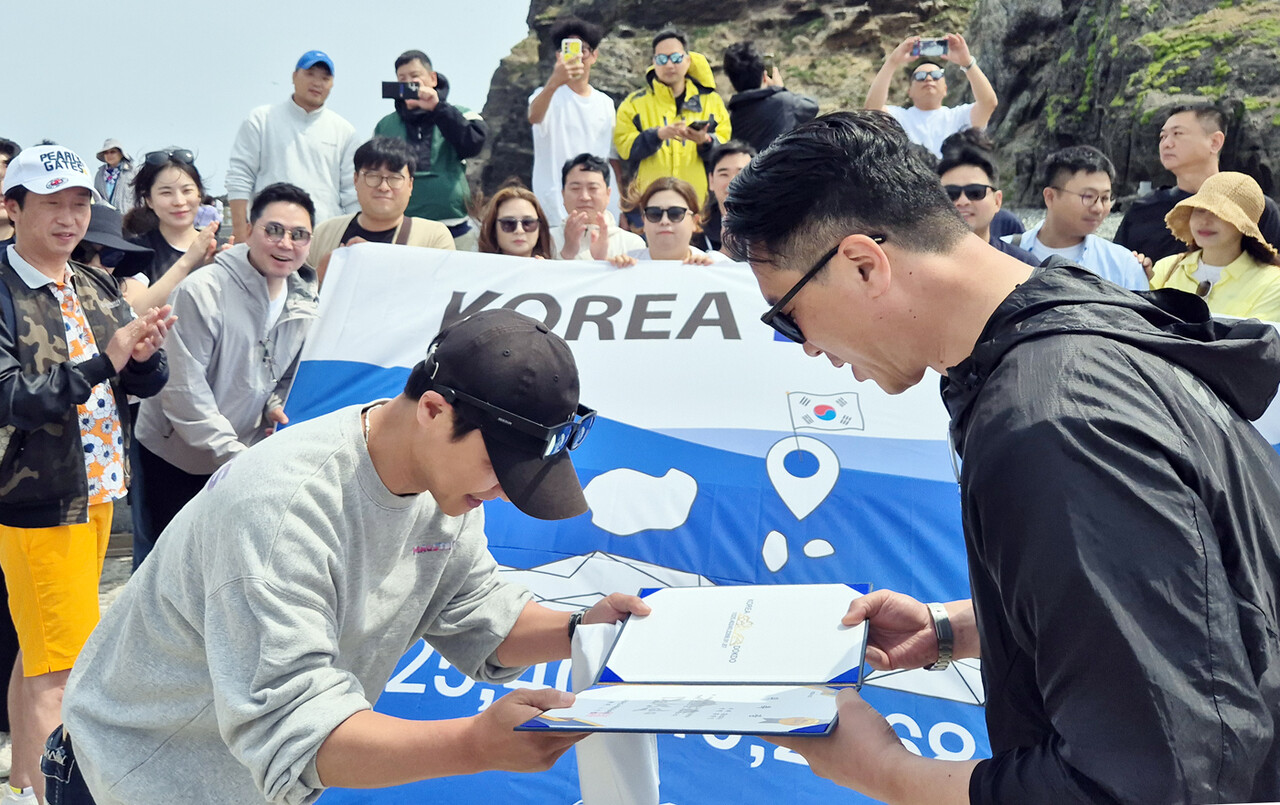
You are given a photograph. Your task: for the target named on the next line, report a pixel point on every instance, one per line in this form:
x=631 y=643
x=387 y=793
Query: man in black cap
x=245 y=655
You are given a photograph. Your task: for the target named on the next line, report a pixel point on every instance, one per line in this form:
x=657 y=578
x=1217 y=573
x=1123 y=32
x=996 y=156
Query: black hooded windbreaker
x=1122 y=519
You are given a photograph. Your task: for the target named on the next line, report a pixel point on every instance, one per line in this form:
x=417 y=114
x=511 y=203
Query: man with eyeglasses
x=569 y=116
x=300 y=141
x=669 y=127
x=968 y=174
x=71 y=353
x=927 y=121
x=246 y=656
x=1077 y=199
x=241 y=324
x=442 y=137
x=1121 y=512
x=384 y=168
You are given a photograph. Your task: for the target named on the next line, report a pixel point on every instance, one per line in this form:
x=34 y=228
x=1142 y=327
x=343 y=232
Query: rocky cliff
x=1099 y=73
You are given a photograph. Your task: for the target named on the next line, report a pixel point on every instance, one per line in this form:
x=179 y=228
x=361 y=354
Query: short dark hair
x=589 y=162
x=413 y=55
x=969 y=147
x=17 y=193
x=285 y=192
x=670 y=33
x=730 y=148
x=419 y=383
x=9 y=148
x=571 y=28
x=391 y=153
x=1072 y=160
x=1211 y=117
x=840 y=174
x=744 y=65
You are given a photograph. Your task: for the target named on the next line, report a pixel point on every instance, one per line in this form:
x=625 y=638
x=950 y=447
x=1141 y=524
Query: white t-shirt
x=932 y=127
x=574 y=124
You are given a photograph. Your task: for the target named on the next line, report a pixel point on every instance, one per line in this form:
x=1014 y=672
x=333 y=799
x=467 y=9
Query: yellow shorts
x=53 y=575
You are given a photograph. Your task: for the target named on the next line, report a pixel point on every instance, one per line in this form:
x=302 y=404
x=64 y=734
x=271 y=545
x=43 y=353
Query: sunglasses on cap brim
x=555 y=439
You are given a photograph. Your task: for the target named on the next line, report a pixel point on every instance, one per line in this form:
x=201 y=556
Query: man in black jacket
x=1121 y=513
x=762 y=107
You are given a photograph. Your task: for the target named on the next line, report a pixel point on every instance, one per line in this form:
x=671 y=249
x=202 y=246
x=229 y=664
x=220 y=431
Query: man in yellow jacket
x=667 y=128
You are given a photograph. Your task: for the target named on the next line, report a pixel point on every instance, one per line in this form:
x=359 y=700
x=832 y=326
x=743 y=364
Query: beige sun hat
x=1234 y=197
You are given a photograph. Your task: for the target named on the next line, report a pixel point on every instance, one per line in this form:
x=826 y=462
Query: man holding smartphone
x=570 y=117
x=927 y=121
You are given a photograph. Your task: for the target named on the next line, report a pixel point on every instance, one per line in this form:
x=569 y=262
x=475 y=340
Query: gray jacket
x=122 y=198
x=227 y=365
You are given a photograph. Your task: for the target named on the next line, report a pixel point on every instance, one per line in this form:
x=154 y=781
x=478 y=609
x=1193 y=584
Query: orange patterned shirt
x=99 y=419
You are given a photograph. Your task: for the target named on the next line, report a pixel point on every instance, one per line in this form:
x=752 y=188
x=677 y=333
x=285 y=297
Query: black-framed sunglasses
x=555 y=438
x=662 y=58
x=276 y=231
x=921 y=75
x=674 y=214
x=526 y=224
x=108 y=256
x=973 y=192
x=182 y=155
x=782 y=322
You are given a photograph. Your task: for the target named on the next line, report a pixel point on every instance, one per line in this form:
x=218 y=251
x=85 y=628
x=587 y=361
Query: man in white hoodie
x=299 y=141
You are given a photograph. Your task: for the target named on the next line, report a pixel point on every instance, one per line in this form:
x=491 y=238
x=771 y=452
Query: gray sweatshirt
x=228 y=363
x=277 y=606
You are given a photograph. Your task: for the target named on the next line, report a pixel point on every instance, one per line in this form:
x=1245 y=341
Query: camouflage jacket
x=42 y=471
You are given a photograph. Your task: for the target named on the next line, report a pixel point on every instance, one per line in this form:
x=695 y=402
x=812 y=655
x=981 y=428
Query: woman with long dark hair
x=167 y=193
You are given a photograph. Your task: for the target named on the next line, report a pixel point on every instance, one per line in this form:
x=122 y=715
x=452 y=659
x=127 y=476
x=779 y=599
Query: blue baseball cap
x=313 y=57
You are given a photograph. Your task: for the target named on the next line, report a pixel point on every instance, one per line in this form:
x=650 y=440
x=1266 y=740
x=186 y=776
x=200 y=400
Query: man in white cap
x=71 y=351
x=114 y=181
x=298 y=141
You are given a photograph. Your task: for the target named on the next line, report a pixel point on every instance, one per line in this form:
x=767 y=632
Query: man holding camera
x=298 y=141
x=762 y=108
x=442 y=137
x=927 y=121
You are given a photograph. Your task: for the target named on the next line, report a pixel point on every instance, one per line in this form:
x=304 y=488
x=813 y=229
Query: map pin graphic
x=803 y=471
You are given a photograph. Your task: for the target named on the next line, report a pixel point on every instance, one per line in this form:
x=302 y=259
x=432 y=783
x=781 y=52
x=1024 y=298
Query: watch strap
x=946 y=638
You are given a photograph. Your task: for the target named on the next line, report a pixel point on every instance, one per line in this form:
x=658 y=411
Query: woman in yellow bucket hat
x=1230 y=263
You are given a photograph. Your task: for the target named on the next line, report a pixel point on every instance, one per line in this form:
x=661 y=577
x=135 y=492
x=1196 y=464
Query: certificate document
x=767 y=634
x=715 y=709
x=751 y=659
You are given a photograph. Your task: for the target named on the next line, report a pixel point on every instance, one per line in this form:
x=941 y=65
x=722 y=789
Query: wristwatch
x=946 y=638
x=972 y=64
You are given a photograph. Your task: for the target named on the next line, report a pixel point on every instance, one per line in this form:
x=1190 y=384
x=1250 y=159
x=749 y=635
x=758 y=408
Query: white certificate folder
x=750 y=659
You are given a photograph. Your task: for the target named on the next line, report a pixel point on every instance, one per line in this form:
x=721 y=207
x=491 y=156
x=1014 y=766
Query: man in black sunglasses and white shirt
x=246 y=655
x=927 y=121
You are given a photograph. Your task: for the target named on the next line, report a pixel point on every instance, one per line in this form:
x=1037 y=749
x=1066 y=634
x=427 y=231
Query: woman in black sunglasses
x=167 y=194
x=515 y=224
x=670 y=208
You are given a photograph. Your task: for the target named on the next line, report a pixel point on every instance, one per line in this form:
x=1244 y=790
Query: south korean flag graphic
x=825 y=411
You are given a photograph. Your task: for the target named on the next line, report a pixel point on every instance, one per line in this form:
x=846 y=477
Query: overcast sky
x=154 y=74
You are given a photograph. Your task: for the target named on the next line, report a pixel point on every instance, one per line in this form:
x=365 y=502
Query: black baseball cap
x=501 y=359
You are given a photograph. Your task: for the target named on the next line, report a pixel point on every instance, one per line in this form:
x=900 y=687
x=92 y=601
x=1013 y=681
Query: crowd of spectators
x=643 y=180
